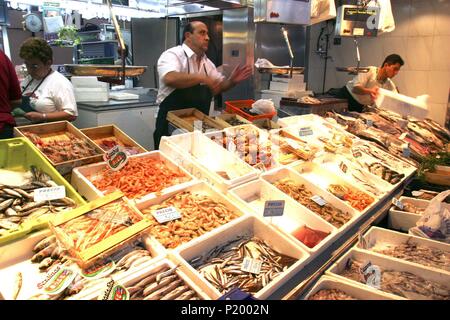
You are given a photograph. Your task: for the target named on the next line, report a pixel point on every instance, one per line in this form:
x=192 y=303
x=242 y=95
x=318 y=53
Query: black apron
x=198 y=97
x=26 y=105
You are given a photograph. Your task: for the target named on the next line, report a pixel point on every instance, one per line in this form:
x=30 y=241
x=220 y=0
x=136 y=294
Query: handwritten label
x=251 y=265
x=98 y=270
x=397 y=203
x=305 y=131
x=57 y=280
x=371 y=275
x=116 y=158
x=114 y=291
x=319 y=200
x=166 y=214
x=47 y=194
x=274 y=208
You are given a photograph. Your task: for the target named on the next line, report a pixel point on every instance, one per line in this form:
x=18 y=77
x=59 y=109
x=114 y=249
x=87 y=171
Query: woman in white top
x=46 y=94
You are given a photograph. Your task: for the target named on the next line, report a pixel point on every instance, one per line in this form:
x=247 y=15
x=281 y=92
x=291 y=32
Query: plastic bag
x=435 y=221
x=263 y=106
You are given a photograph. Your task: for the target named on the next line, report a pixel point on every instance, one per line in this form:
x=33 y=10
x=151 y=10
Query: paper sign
x=57 y=280
x=47 y=194
x=98 y=270
x=371 y=275
x=319 y=200
x=274 y=208
x=116 y=158
x=305 y=131
x=397 y=203
x=251 y=265
x=114 y=291
x=369 y=123
x=166 y=214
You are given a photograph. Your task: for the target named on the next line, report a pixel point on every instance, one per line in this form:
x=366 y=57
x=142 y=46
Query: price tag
x=166 y=214
x=114 y=291
x=251 y=265
x=57 y=280
x=305 y=131
x=274 y=208
x=405 y=150
x=319 y=200
x=97 y=271
x=369 y=123
x=397 y=203
x=232 y=147
x=371 y=274
x=116 y=158
x=343 y=167
x=47 y=194
x=403 y=136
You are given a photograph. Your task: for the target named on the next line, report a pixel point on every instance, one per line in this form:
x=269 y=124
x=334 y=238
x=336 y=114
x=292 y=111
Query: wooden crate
x=440 y=176
x=56 y=131
x=96 y=134
x=185 y=118
x=266 y=124
x=222 y=119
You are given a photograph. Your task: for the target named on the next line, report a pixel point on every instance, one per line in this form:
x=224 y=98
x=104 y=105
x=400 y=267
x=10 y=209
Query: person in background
x=46 y=94
x=9 y=95
x=363 y=89
x=187 y=78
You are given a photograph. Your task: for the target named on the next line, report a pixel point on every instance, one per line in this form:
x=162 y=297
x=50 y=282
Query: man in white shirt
x=363 y=89
x=187 y=78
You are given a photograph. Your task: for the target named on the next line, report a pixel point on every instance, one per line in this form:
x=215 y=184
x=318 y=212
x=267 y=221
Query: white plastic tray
x=381 y=237
x=252 y=226
x=87 y=189
x=253 y=195
x=359 y=292
x=203 y=158
x=199 y=188
x=323 y=178
x=402 y=220
x=385 y=263
x=278 y=174
x=332 y=162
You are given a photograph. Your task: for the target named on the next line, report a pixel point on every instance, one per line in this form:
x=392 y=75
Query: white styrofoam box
x=380 y=238
x=376 y=186
x=392 y=162
x=357 y=291
x=128 y=279
x=251 y=226
x=88 y=82
x=16 y=257
x=282 y=173
x=324 y=178
x=90 y=94
x=275 y=96
x=403 y=105
x=400 y=220
x=385 y=263
x=87 y=189
x=203 y=158
x=278 y=86
x=281 y=78
x=253 y=195
x=301 y=120
x=202 y=188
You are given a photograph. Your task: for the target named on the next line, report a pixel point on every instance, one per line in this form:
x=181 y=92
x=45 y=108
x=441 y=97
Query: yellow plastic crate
x=19 y=154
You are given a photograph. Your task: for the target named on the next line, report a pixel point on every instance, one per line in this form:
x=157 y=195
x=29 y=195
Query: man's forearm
x=360 y=90
x=181 y=80
x=226 y=85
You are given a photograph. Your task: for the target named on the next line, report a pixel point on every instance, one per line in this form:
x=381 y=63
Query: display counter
x=136 y=117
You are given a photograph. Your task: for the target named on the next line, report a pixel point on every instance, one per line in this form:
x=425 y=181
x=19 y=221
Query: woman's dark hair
x=187 y=28
x=393 y=59
x=36 y=48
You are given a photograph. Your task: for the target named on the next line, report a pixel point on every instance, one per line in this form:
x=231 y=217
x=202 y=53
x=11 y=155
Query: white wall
x=421 y=37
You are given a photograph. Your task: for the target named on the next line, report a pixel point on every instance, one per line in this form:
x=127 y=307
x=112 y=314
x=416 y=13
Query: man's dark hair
x=187 y=28
x=393 y=59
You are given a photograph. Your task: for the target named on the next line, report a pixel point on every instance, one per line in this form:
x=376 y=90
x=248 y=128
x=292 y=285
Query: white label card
x=305 y=131
x=319 y=200
x=397 y=203
x=116 y=158
x=51 y=193
x=371 y=274
x=251 y=265
x=166 y=214
x=273 y=208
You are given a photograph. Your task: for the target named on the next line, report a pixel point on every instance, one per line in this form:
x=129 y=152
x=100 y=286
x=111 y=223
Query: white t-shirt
x=175 y=59
x=368 y=80
x=54 y=94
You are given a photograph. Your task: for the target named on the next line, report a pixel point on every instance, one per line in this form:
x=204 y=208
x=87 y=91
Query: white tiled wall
x=421 y=37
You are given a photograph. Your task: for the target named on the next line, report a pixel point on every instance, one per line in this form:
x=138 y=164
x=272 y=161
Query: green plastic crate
x=19 y=154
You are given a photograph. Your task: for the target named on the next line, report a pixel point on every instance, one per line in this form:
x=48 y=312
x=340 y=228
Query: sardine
x=46 y=263
x=8 y=224
x=175 y=293
x=151 y=277
x=44 y=243
x=157 y=295
x=11 y=192
x=17 y=285
x=5 y=204
x=32 y=205
x=44 y=253
x=186 y=295
x=156 y=286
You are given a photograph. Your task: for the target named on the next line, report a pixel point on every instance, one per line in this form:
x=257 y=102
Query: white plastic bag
x=435 y=221
x=263 y=106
